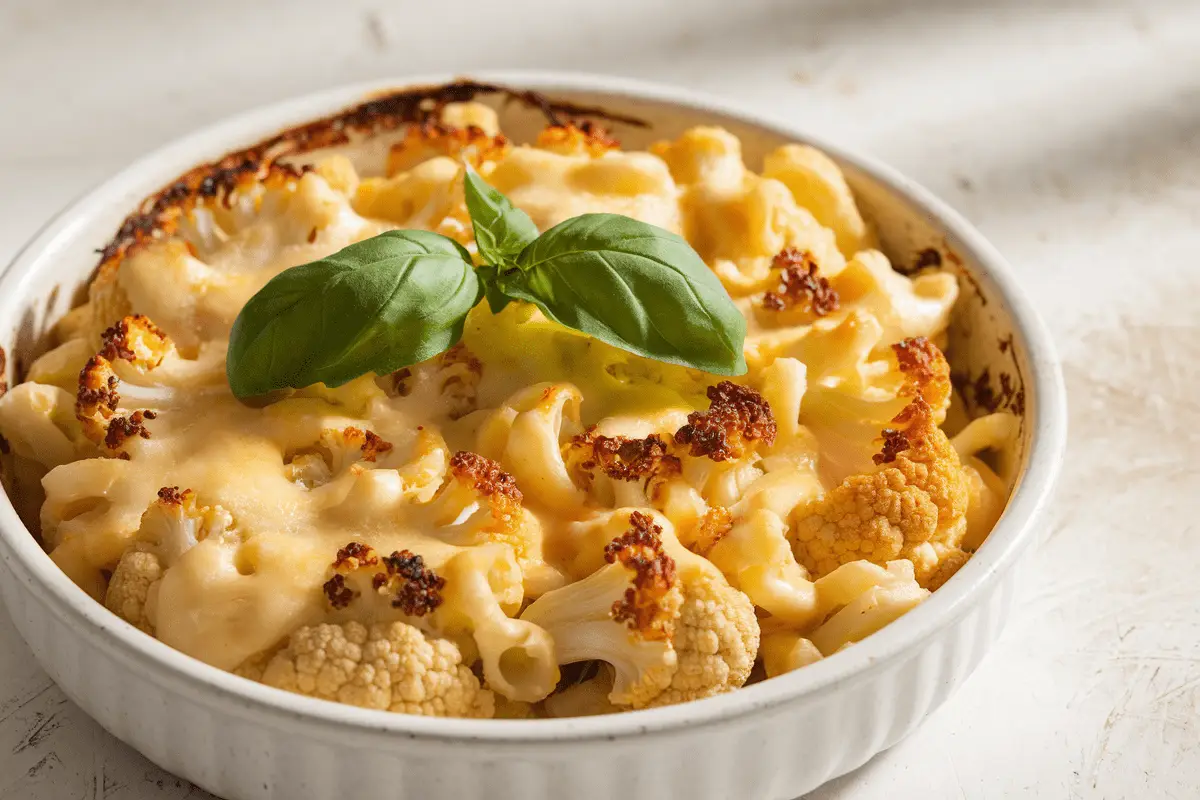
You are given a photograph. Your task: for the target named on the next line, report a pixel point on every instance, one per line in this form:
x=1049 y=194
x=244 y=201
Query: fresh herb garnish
x=403 y=296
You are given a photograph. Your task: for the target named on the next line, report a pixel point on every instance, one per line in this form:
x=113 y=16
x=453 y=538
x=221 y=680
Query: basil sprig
x=403 y=296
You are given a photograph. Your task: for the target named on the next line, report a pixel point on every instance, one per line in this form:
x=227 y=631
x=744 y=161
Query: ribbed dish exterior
x=777 y=754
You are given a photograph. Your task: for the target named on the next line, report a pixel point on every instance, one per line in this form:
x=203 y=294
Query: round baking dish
x=776 y=739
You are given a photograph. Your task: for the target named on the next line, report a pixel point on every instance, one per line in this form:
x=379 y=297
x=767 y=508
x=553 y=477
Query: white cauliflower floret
x=171 y=526
x=389 y=667
x=129 y=589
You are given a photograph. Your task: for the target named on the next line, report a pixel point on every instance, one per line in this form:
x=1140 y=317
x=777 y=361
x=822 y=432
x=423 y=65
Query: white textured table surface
x=1068 y=131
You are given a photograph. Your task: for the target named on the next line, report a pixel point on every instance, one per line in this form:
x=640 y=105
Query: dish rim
x=1045 y=417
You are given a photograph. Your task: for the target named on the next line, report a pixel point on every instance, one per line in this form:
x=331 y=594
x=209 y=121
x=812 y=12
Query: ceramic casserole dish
x=774 y=739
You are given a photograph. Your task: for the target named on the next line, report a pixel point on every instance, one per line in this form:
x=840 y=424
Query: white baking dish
x=776 y=739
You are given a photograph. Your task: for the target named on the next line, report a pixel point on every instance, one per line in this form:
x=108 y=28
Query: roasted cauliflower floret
x=849 y=400
x=480 y=503
x=96 y=405
x=401 y=580
x=334 y=453
x=621 y=470
x=621 y=458
x=623 y=614
x=913 y=506
x=137 y=340
x=389 y=667
x=711 y=633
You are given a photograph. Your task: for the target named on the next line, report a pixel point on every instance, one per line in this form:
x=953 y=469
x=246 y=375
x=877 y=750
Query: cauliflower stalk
x=665 y=619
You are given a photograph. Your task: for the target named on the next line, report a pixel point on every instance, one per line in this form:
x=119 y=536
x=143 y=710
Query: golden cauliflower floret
x=129 y=588
x=926 y=373
x=926 y=458
x=140 y=342
x=914 y=506
x=870 y=517
x=389 y=667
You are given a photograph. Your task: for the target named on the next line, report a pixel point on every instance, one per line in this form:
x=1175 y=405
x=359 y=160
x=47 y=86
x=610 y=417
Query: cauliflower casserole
x=532 y=523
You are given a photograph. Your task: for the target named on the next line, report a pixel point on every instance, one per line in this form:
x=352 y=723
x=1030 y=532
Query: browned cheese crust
x=416 y=590
x=216 y=182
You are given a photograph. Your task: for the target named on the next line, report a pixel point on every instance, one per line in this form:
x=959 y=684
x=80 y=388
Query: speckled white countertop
x=1068 y=131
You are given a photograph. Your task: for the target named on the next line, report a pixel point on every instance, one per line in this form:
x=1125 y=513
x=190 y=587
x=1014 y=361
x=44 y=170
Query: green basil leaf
x=375 y=306
x=634 y=286
x=501 y=229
